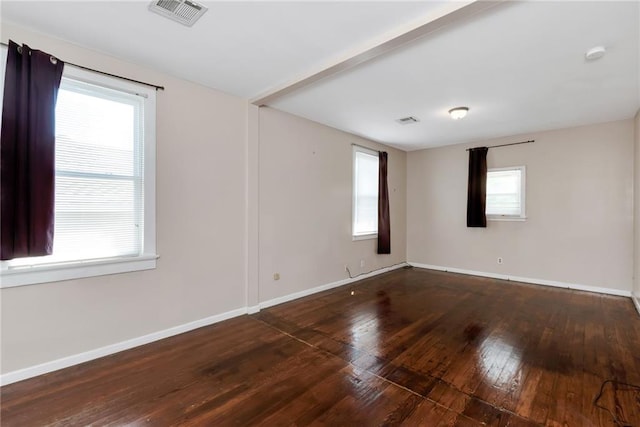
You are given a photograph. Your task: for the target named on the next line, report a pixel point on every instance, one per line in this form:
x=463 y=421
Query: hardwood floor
x=411 y=347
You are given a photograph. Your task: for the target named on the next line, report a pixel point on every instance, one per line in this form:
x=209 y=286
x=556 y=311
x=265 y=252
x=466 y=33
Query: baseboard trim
x=552 y=283
x=253 y=309
x=307 y=292
x=636 y=302
x=65 y=362
x=76 y=359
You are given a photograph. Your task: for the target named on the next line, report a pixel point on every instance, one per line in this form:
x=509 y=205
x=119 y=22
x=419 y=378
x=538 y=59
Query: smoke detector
x=185 y=12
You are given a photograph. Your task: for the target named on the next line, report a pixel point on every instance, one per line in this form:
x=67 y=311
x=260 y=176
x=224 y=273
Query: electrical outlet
x=276 y=276
x=361 y=263
x=499 y=260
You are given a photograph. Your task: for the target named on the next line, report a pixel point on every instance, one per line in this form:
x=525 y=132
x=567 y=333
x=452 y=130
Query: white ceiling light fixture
x=595 y=53
x=185 y=12
x=458 y=112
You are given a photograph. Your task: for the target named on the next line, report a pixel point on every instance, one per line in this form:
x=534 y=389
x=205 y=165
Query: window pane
x=503 y=192
x=96 y=218
x=99 y=168
x=94 y=133
x=366 y=194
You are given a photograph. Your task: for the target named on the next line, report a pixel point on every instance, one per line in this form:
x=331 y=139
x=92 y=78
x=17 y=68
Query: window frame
x=31 y=274
x=523 y=180
x=354 y=236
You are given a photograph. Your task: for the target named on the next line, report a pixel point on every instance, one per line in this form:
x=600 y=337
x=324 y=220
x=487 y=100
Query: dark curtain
x=27 y=156
x=384 y=226
x=477 y=188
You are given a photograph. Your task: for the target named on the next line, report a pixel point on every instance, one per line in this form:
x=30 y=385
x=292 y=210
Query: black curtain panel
x=27 y=155
x=384 y=225
x=477 y=188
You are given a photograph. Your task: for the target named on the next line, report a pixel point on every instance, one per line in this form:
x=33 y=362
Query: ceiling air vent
x=407 y=120
x=183 y=11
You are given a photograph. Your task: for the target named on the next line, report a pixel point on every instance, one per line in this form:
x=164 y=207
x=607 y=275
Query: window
x=506 y=193
x=365 y=193
x=104 y=185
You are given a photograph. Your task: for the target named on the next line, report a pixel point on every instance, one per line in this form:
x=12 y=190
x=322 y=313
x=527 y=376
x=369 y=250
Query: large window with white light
x=506 y=193
x=104 y=182
x=365 y=193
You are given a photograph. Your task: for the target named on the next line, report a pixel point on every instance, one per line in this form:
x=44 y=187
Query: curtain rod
x=505 y=145
x=106 y=74
x=362 y=146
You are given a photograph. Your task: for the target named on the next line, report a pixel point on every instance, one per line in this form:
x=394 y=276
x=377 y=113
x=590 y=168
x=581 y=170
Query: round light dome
x=458 y=112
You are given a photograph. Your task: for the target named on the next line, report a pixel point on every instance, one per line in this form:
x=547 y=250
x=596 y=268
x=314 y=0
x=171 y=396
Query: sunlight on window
x=94 y=121
x=366 y=194
x=99 y=184
x=505 y=192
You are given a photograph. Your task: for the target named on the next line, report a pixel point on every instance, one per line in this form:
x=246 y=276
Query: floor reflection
x=499 y=361
x=365 y=329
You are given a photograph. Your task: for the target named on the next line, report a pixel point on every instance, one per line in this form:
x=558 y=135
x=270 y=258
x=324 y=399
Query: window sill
x=365 y=237
x=31 y=275
x=506 y=218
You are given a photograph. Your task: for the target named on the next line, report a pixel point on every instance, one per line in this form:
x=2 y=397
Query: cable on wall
x=377 y=269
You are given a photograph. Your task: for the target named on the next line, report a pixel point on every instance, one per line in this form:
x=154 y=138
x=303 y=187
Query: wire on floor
x=615 y=383
x=378 y=269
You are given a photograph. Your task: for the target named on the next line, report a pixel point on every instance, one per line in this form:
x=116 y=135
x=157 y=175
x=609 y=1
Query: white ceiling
x=519 y=66
x=242 y=48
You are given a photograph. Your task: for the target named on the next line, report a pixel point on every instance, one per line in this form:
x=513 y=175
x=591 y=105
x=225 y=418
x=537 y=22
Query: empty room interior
x=343 y=213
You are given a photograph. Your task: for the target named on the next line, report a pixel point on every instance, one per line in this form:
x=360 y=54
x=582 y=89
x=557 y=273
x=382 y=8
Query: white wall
x=293 y=216
x=636 y=257
x=305 y=206
x=201 y=237
x=235 y=185
x=579 y=206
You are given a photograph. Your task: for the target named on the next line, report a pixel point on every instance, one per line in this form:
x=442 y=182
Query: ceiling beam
x=453 y=12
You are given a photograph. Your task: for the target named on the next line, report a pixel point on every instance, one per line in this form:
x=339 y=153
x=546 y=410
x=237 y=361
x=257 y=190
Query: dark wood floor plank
x=412 y=347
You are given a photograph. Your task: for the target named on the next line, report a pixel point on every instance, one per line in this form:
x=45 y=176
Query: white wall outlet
x=361 y=263
x=499 y=260
x=276 y=276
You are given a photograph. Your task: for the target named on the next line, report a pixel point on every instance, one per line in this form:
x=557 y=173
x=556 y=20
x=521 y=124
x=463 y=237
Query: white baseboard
x=553 y=283
x=307 y=292
x=65 y=362
x=636 y=301
x=253 y=309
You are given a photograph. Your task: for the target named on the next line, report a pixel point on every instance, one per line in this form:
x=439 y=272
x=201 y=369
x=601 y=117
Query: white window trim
x=53 y=272
x=355 y=149
x=523 y=198
x=364 y=237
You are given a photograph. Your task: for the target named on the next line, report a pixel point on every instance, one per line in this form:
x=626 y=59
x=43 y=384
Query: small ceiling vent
x=183 y=11
x=408 y=120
